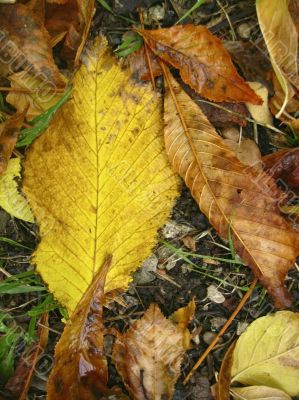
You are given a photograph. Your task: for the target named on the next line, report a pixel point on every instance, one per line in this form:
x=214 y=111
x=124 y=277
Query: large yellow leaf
x=10 y=199
x=234 y=197
x=100 y=172
x=268 y=353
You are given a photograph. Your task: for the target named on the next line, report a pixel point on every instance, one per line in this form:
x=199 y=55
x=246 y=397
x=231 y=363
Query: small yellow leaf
x=258 y=393
x=10 y=199
x=101 y=175
x=260 y=113
x=268 y=353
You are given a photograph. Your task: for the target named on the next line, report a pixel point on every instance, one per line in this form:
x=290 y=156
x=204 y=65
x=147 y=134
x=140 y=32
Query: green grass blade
x=193 y=8
x=14 y=243
x=41 y=122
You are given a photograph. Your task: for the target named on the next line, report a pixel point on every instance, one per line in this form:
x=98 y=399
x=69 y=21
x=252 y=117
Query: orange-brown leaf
x=9 y=132
x=230 y=194
x=80 y=367
x=148 y=356
x=19 y=383
x=203 y=62
x=25 y=44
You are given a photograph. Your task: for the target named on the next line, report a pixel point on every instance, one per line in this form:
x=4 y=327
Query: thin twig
x=146 y=50
x=222 y=331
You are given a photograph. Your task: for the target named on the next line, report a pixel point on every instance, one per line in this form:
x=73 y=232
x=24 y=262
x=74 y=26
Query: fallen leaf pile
x=103 y=178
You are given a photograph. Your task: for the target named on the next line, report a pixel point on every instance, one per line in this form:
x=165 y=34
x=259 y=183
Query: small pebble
x=244 y=30
x=170 y=264
x=215 y=295
x=217 y=322
x=208 y=337
x=145 y=274
x=172 y=230
x=186 y=268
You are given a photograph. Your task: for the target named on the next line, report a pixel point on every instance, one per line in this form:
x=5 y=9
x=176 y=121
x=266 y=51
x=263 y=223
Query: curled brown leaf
x=80 y=368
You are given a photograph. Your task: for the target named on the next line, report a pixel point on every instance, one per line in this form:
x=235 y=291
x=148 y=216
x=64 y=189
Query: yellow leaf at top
x=267 y=353
x=101 y=178
x=10 y=199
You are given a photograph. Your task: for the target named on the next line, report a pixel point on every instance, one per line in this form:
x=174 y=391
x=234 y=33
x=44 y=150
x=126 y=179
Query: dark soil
x=173 y=282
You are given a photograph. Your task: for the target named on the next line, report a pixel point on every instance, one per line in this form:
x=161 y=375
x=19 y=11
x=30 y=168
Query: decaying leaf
x=284 y=165
x=260 y=113
x=25 y=44
x=234 y=197
x=267 y=353
x=72 y=17
x=203 y=62
x=10 y=199
x=148 y=356
x=80 y=367
x=258 y=393
x=9 y=132
x=19 y=383
x=111 y=187
x=282 y=43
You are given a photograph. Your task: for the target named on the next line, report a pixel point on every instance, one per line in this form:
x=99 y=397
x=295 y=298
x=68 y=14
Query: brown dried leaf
x=25 y=44
x=229 y=193
x=9 y=132
x=80 y=367
x=284 y=165
x=148 y=356
x=19 y=383
x=203 y=61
